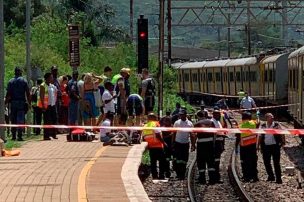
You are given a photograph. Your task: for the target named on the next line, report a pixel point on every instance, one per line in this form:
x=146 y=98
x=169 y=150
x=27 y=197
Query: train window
x=244 y=74
x=209 y=77
x=186 y=77
x=238 y=76
x=270 y=72
x=218 y=76
x=194 y=77
x=231 y=77
x=265 y=75
x=253 y=76
x=274 y=75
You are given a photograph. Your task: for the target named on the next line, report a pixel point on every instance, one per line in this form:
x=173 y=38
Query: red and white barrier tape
x=206 y=130
x=268 y=107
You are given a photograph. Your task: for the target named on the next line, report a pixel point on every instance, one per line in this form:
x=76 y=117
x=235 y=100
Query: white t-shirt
x=181 y=136
x=103 y=131
x=247 y=103
x=110 y=106
x=269 y=138
x=52 y=92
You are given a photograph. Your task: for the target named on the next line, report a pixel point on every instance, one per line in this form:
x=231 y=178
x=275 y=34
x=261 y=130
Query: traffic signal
x=142 y=43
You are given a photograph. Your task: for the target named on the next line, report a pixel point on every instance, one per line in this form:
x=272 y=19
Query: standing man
x=74 y=95
x=181 y=144
x=156 y=147
x=47 y=102
x=37 y=111
x=147 y=91
x=54 y=71
x=107 y=73
x=18 y=95
x=219 y=145
x=205 y=152
x=247 y=102
x=271 y=147
x=248 y=149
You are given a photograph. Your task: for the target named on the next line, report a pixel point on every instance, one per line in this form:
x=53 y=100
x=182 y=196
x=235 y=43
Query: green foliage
x=145 y=159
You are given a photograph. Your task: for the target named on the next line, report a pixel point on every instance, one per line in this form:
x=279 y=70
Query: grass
x=10 y=144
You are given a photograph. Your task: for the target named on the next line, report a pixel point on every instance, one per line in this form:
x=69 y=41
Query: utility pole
x=284 y=23
x=248 y=28
x=131 y=20
x=219 y=41
x=161 y=55
x=2 y=71
x=169 y=37
x=28 y=53
x=228 y=34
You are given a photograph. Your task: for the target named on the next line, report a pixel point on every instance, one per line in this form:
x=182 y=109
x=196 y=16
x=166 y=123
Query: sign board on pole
x=74 y=45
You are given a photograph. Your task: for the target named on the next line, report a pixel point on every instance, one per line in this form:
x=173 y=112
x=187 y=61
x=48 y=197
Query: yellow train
x=275 y=79
x=256 y=75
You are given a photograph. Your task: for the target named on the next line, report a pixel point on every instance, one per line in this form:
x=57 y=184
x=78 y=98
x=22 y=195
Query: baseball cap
x=182 y=112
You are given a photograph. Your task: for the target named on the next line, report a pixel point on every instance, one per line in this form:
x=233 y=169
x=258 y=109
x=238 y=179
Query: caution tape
x=228 y=96
x=171 y=129
x=268 y=107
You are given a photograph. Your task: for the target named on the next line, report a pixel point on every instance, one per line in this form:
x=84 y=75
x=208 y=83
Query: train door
x=300 y=86
x=245 y=79
x=253 y=80
x=187 y=80
x=217 y=80
x=238 y=81
x=205 y=82
x=270 y=81
x=195 y=81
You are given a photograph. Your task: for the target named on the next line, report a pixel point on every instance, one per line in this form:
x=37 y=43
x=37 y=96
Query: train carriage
x=243 y=74
x=295 y=85
x=214 y=76
x=273 y=69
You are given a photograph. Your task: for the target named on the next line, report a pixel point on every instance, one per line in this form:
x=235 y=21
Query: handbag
x=97 y=98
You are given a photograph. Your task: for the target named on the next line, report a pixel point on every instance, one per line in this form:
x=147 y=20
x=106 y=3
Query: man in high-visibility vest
x=248 y=149
x=156 y=146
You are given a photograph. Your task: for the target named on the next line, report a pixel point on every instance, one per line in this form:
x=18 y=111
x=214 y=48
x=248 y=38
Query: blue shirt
x=17 y=88
x=73 y=90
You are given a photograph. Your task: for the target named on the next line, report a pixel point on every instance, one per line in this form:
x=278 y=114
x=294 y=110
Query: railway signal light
x=142 y=44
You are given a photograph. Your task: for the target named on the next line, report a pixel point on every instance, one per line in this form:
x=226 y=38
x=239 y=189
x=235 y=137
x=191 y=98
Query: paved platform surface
x=45 y=171
x=104 y=182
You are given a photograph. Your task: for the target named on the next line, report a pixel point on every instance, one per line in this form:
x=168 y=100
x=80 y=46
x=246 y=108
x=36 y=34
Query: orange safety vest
x=46 y=96
x=150 y=137
x=248 y=139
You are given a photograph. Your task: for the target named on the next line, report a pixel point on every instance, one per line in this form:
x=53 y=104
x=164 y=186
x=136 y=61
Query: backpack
x=150 y=87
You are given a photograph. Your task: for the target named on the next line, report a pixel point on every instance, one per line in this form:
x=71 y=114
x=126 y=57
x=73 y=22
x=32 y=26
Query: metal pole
x=219 y=41
x=248 y=28
x=131 y=20
x=28 y=53
x=228 y=35
x=169 y=32
x=284 y=23
x=161 y=55
x=2 y=71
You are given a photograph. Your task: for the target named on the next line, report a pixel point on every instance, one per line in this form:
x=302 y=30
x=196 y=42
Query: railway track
x=230 y=190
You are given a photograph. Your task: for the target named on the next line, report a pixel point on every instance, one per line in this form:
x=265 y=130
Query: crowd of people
x=106 y=100
x=169 y=147
x=70 y=100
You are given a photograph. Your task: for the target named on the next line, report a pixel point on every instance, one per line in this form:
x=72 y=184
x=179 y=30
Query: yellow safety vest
x=149 y=135
x=248 y=139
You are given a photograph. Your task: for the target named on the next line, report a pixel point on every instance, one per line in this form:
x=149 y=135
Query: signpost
x=74 y=46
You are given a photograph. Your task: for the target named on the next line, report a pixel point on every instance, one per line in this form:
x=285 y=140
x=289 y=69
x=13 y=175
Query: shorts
x=149 y=104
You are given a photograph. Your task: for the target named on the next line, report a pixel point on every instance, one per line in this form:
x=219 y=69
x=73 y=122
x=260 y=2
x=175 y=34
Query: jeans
x=73 y=112
x=17 y=117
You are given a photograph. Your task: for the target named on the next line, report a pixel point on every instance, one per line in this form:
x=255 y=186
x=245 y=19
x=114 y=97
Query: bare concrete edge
x=129 y=174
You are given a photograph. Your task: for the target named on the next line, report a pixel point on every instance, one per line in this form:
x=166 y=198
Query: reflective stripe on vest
x=248 y=139
x=149 y=135
x=46 y=96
